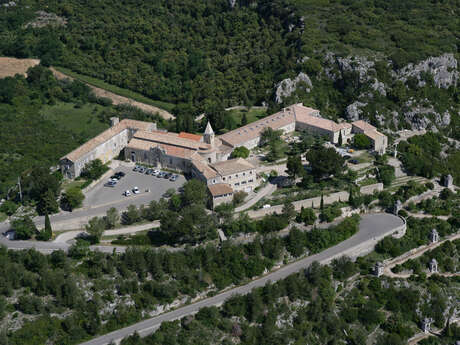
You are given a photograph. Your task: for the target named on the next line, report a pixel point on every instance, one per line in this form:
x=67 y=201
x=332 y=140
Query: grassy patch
x=67 y=184
x=3 y=216
x=115 y=89
x=251 y=115
x=364 y=157
x=81 y=120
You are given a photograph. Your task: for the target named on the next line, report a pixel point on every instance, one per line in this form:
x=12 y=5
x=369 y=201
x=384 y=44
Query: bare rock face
x=232 y=3
x=286 y=87
x=443 y=69
x=379 y=87
x=353 y=111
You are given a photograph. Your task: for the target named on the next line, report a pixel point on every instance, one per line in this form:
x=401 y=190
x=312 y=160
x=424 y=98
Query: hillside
x=348 y=58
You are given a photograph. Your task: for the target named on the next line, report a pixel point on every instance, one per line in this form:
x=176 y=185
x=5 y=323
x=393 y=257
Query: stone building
x=379 y=141
x=434 y=236
x=433 y=266
x=426 y=324
x=378 y=269
x=105 y=146
x=220 y=193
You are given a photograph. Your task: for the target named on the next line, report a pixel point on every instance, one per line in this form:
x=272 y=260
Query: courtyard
x=150 y=188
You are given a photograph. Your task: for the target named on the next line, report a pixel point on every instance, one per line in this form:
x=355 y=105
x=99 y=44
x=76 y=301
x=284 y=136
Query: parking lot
x=150 y=188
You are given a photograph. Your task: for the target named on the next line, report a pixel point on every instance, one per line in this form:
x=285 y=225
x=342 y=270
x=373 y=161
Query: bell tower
x=208 y=134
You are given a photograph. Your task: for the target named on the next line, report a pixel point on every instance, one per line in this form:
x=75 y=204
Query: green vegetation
x=417 y=234
x=115 y=89
x=421 y=155
x=361 y=142
x=241 y=152
x=447 y=255
x=242 y=116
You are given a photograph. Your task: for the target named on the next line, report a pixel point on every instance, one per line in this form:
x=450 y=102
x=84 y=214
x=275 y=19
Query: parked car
x=173 y=178
x=136 y=190
x=113 y=179
x=161 y=174
x=149 y=171
x=111 y=183
x=353 y=161
x=137 y=168
x=127 y=193
x=167 y=175
x=266 y=206
x=119 y=174
x=155 y=172
x=142 y=170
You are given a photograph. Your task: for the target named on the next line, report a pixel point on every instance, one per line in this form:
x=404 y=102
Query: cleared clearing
x=9 y=67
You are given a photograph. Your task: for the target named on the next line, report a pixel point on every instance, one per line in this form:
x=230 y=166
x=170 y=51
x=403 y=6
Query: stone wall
x=316 y=202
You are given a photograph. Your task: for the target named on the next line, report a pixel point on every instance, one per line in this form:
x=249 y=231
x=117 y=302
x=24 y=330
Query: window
x=213 y=181
x=244 y=182
x=223 y=178
x=230 y=177
x=237 y=184
x=251 y=181
x=244 y=174
x=250 y=173
x=236 y=175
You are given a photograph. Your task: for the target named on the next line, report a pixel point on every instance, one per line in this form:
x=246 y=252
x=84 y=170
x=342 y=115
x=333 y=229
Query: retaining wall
x=316 y=202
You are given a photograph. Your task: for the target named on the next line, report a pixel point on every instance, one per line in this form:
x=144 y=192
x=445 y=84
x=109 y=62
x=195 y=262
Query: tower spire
x=208 y=134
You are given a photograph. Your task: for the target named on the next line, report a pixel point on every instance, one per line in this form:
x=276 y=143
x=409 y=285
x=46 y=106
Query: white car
x=266 y=206
x=155 y=172
x=136 y=190
x=114 y=179
x=127 y=193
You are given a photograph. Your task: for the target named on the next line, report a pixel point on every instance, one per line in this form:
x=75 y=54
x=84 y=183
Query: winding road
x=372 y=228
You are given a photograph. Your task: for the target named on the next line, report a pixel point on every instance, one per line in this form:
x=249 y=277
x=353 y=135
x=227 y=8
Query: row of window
x=243 y=182
x=236 y=175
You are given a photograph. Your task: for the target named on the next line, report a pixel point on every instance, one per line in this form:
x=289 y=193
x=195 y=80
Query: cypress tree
x=340 y=138
x=48 y=231
x=321 y=206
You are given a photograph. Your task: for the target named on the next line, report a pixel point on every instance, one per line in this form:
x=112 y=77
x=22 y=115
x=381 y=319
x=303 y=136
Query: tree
x=46 y=234
x=73 y=198
x=340 y=139
x=95 y=228
x=48 y=203
x=241 y=152
x=288 y=211
x=93 y=170
x=269 y=135
x=238 y=197
x=325 y=162
x=244 y=120
x=194 y=192
x=131 y=215
x=361 y=141
x=112 y=217
x=24 y=228
x=307 y=216
x=275 y=150
x=294 y=166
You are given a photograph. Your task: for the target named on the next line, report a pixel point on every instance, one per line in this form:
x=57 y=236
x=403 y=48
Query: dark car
x=167 y=175
x=110 y=184
x=173 y=178
x=353 y=161
x=119 y=174
x=149 y=171
x=347 y=157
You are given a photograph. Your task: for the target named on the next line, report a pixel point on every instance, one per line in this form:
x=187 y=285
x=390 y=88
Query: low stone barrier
x=315 y=202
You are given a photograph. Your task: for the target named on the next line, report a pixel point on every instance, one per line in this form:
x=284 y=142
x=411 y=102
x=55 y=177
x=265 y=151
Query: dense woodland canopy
x=205 y=55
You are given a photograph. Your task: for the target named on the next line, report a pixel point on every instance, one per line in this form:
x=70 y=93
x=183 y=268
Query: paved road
x=372 y=228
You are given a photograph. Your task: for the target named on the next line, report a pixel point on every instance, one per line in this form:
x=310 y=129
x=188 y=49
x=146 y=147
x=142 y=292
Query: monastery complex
x=206 y=157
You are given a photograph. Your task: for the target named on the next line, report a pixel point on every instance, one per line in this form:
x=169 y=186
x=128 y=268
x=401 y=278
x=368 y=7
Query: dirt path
x=415 y=253
x=117 y=99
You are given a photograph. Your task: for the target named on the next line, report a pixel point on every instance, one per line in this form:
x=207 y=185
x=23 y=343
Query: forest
x=205 y=56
